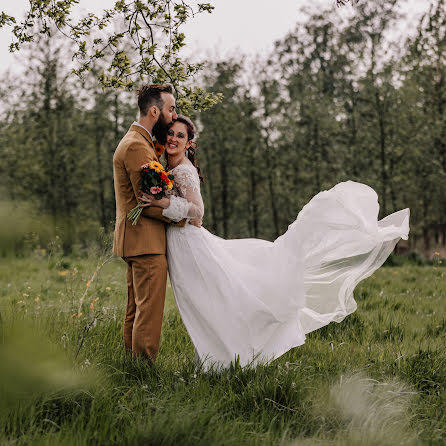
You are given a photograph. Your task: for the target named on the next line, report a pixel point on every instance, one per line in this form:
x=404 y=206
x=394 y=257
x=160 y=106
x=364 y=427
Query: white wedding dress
x=254 y=299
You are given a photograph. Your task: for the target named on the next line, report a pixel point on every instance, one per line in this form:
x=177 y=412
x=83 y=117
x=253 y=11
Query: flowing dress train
x=257 y=299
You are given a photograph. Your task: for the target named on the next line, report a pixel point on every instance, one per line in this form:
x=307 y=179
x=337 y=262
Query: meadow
x=377 y=378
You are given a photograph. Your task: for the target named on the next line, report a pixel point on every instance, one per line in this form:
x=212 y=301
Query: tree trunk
x=211 y=204
x=224 y=192
x=253 y=193
x=99 y=136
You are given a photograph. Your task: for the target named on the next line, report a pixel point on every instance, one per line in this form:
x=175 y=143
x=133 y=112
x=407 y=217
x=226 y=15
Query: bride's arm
x=175 y=206
x=189 y=205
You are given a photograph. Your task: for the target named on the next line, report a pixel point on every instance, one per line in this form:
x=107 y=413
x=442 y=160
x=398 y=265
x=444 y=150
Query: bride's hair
x=192 y=150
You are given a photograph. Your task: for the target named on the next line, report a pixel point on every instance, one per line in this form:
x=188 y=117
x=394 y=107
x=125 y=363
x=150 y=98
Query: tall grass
x=376 y=378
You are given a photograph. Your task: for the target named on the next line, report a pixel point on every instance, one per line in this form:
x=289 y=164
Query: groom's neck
x=147 y=122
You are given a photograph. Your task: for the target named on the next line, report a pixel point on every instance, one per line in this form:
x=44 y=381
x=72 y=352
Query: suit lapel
x=144 y=133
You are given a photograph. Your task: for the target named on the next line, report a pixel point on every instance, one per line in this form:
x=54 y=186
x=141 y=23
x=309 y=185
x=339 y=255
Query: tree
x=424 y=86
x=144 y=46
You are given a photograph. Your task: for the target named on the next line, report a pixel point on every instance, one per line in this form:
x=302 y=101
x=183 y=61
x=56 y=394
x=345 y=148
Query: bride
x=254 y=299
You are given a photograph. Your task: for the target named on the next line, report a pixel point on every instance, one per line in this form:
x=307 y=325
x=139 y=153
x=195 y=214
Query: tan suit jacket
x=148 y=236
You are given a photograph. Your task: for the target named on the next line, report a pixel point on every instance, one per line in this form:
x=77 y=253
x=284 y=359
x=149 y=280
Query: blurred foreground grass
x=379 y=377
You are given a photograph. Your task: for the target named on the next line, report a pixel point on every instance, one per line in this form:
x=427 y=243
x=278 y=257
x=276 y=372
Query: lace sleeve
x=189 y=203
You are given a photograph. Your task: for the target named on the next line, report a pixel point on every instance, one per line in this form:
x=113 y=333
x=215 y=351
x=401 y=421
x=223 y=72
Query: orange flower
x=159 y=149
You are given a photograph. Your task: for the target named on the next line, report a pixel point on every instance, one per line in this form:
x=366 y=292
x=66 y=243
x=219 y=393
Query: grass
x=379 y=377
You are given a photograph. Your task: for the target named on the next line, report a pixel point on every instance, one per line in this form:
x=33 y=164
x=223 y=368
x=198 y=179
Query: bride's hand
x=150 y=200
x=196 y=222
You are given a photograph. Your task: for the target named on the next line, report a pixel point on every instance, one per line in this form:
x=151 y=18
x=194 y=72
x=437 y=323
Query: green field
x=378 y=378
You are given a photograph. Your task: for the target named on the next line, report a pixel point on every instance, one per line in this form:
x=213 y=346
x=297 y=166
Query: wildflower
x=85 y=364
x=91 y=306
x=25 y=295
x=36 y=299
x=107 y=288
x=88 y=284
x=95 y=299
x=63 y=273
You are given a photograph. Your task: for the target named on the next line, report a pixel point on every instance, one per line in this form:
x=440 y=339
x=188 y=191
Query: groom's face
x=167 y=116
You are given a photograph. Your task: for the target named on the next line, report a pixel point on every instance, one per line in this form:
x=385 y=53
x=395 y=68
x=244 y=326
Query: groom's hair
x=149 y=95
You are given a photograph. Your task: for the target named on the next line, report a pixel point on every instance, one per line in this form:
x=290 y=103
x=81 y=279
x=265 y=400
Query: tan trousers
x=146 y=291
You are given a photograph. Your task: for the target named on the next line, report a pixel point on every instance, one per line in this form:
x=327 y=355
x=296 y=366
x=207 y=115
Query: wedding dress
x=254 y=299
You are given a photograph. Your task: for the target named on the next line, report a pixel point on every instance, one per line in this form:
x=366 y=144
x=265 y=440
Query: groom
x=143 y=246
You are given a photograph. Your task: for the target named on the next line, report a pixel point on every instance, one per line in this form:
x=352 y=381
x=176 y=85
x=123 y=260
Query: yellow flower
x=156 y=166
x=63 y=273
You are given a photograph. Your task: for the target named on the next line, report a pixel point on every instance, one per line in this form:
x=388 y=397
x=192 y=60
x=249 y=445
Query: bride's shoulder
x=185 y=169
x=186 y=175
x=184 y=166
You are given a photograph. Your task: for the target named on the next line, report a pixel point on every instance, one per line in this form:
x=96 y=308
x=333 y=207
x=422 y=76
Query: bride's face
x=177 y=139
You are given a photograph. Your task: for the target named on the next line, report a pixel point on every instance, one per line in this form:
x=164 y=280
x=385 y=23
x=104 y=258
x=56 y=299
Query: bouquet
x=154 y=180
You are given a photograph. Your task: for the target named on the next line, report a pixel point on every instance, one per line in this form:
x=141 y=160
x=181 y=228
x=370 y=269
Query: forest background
x=335 y=100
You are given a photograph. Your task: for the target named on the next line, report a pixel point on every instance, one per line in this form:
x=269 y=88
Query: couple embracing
x=249 y=299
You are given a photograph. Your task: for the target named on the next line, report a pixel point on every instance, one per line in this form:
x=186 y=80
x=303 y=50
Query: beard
x=160 y=130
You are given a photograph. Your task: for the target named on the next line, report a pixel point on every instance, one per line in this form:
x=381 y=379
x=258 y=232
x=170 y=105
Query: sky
x=248 y=26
